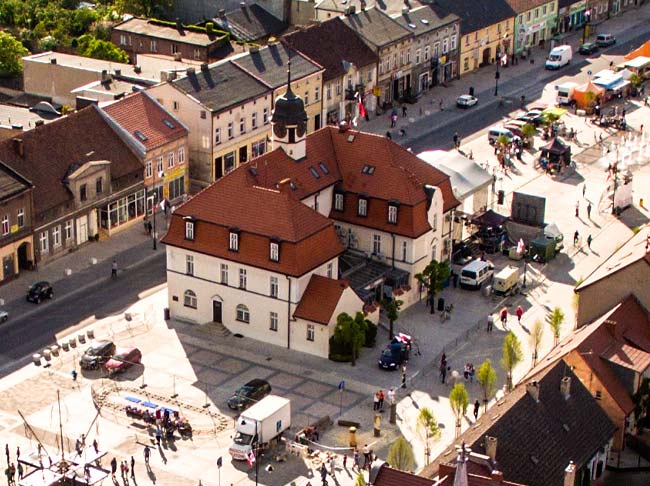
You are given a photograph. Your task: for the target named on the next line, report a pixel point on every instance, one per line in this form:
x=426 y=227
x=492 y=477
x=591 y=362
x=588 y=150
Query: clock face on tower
x=280 y=130
x=301 y=129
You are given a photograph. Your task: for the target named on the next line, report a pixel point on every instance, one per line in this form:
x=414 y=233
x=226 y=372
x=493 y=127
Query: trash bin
x=166 y=313
x=487 y=290
x=441 y=304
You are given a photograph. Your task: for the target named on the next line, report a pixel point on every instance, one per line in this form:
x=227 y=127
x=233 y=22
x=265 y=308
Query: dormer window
x=392 y=213
x=234 y=241
x=274 y=251
x=363 y=207
x=189 y=230
x=338 y=201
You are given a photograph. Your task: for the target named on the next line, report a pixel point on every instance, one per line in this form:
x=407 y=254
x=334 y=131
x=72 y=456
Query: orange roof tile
x=138 y=112
x=320 y=299
x=627 y=356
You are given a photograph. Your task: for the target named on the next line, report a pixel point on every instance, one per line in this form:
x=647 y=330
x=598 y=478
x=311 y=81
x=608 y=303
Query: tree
x=400 y=455
x=459 y=401
x=392 y=308
x=433 y=278
x=511 y=355
x=636 y=80
x=11 y=55
x=360 y=480
x=528 y=131
x=536 y=333
x=351 y=332
x=555 y=319
x=427 y=423
x=486 y=376
x=89 y=46
x=146 y=8
x=642 y=402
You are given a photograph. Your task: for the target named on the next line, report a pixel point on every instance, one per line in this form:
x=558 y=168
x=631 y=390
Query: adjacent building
x=160 y=141
x=535 y=22
x=350 y=67
x=486 y=29
x=88 y=183
x=149 y=36
x=325 y=223
x=548 y=430
x=435 y=47
x=250 y=23
x=16 y=243
x=572 y=14
x=392 y=44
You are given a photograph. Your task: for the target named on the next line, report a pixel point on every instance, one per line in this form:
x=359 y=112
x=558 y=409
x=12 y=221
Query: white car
x=466 y=101
x=4 y=315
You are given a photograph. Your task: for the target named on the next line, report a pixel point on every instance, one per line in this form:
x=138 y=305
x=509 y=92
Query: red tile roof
x=50 y=151
x=627 y=356
x=307 y=239
x=320 y=299
x=138 y=112
x=388 y=476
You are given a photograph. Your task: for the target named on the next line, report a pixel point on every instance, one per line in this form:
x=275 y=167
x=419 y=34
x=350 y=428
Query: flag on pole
x=520 y=246
x=250 y=458
x=362 y=109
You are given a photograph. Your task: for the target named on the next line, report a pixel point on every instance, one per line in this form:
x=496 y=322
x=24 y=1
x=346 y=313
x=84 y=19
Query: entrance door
x=243 y=154
x=395 y=90
x=218 y=168
x=216 y=312
x=82 y=230
x=23 y=257
x=317 y=122
x=8 y=267
x=424 y=82
x=486 y=57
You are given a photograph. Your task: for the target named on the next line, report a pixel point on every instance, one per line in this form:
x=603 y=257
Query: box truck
x=565 y=93
x=558 y=57
x=259 y=425
x=506 y=282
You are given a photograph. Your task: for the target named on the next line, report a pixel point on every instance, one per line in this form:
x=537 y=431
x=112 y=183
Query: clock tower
x=289 y=122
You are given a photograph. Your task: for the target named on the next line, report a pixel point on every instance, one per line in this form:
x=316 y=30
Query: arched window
x=242 y=313
x=189 y=299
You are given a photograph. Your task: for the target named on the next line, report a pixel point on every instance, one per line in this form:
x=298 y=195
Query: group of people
x=161 y=418
x=468 y=372
x=378 y=401
x=124 y=469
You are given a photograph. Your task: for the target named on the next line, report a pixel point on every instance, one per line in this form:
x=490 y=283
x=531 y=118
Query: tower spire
x=289 y=76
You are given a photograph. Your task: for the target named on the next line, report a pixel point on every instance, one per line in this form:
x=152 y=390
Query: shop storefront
x=573 y=17
x=122 y=211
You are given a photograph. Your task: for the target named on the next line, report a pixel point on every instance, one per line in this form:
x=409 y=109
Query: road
x=22 y=336
x=531 y=84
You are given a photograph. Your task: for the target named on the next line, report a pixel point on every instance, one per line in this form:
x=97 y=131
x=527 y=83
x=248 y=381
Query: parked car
x=39 y=291
x=123 y=359
x=4 y=315
x=475 y=274
x=588 y=48
x=515 y=129
x=249 y=394
x=605 y=40
x=466 y=101
x=98 y=353
x=534 y=117
x=396 y=353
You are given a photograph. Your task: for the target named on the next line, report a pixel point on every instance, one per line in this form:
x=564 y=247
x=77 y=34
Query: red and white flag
x=250 y=458
x=362 y=109
x=520 y=246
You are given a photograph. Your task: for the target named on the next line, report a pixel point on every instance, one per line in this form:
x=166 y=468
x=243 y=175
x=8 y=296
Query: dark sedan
x=588 y=48
x=39 y=291
x=249 y=394
x=97 y=354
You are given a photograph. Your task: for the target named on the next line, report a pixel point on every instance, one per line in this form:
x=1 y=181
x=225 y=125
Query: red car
x=123 y=359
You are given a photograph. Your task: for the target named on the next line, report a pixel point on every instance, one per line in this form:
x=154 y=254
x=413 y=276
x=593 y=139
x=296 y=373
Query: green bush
x=339 y=351
x=371 y=334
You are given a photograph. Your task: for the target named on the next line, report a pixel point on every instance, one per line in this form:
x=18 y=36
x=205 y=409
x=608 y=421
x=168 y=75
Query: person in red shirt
x=520 y=312
x=504 y=316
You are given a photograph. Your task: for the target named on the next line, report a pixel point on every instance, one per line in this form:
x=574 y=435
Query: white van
x=475 y=274
x=495 y=132
x=558 y=57
x=565 y=93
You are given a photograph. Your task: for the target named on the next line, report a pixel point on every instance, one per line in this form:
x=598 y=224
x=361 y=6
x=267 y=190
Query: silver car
x=4 y=315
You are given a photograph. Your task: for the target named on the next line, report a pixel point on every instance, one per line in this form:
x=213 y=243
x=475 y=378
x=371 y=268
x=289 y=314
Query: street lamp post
x=497 y=75
x=154 y=201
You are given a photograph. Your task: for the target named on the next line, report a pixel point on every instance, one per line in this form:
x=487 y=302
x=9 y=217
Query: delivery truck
x=558 y=57
x=506 y=282
x=259 y=425
x=565 y=93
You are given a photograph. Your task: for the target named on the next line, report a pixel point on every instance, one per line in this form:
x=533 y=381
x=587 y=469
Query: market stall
x=555 y=155
x=588 y=95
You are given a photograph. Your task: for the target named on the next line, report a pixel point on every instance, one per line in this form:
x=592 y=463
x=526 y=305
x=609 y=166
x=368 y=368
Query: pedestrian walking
x=443 y=372
x=323 y=474
x=477 y=406
x=332 y=466
x=456 y=139
x=114 y=269
x=147 y=453
x=391 y=396
x=589 y=240
x=21 y=471
x=576 y=238
x=366 y=455
x=504 y=317
x=133 y=467
x=375 y=402
x=96 y=446
x=389 y=136
x=345 y=461
x=584 y=189
x=490 y=322
x=641 y=128
x=13 y=473
x=589 y=210
x=393 y=120
x=520 y=312
x=113 y=467
x=442 y=108
x=355 y=457
x=578 y=209
x=8 y=474
x=158 y=435
x=402 y=132
x=404 y=110
x=381 y=400
x=403 y=376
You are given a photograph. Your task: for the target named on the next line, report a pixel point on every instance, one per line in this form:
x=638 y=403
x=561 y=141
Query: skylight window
x=314 y=172
x=140 y=135
x=292 y=186
x=324 y=168
x=169 y=123
x=368 y=169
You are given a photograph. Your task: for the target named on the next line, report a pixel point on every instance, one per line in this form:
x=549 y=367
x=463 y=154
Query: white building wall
x=322 y=200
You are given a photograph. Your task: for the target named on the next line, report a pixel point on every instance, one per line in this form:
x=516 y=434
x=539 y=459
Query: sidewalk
x=131 y=248
x=425 y=115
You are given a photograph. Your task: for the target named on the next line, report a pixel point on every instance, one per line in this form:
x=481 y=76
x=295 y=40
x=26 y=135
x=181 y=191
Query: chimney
x=610 y=325
x=343 y=126
x=405 y=10
x=38 y=123
x=104 y=75
x=565 y=387
x=179 y=25
x=53 y=60
x=284 y=186
x=118 y=72
x=533 y=390
x=204 y=67
x=222 y=13
x=19 y=148
x=491 y=447
x=242 y=5
x=190 y=70
x=570 y=474
x=496 y=476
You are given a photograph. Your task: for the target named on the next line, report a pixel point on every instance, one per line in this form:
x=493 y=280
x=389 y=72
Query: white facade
x=336 y=107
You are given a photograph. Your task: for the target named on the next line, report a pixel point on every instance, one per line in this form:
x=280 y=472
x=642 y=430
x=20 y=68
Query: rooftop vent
x=368 y=169
x=141 y=135
x=424 y=21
